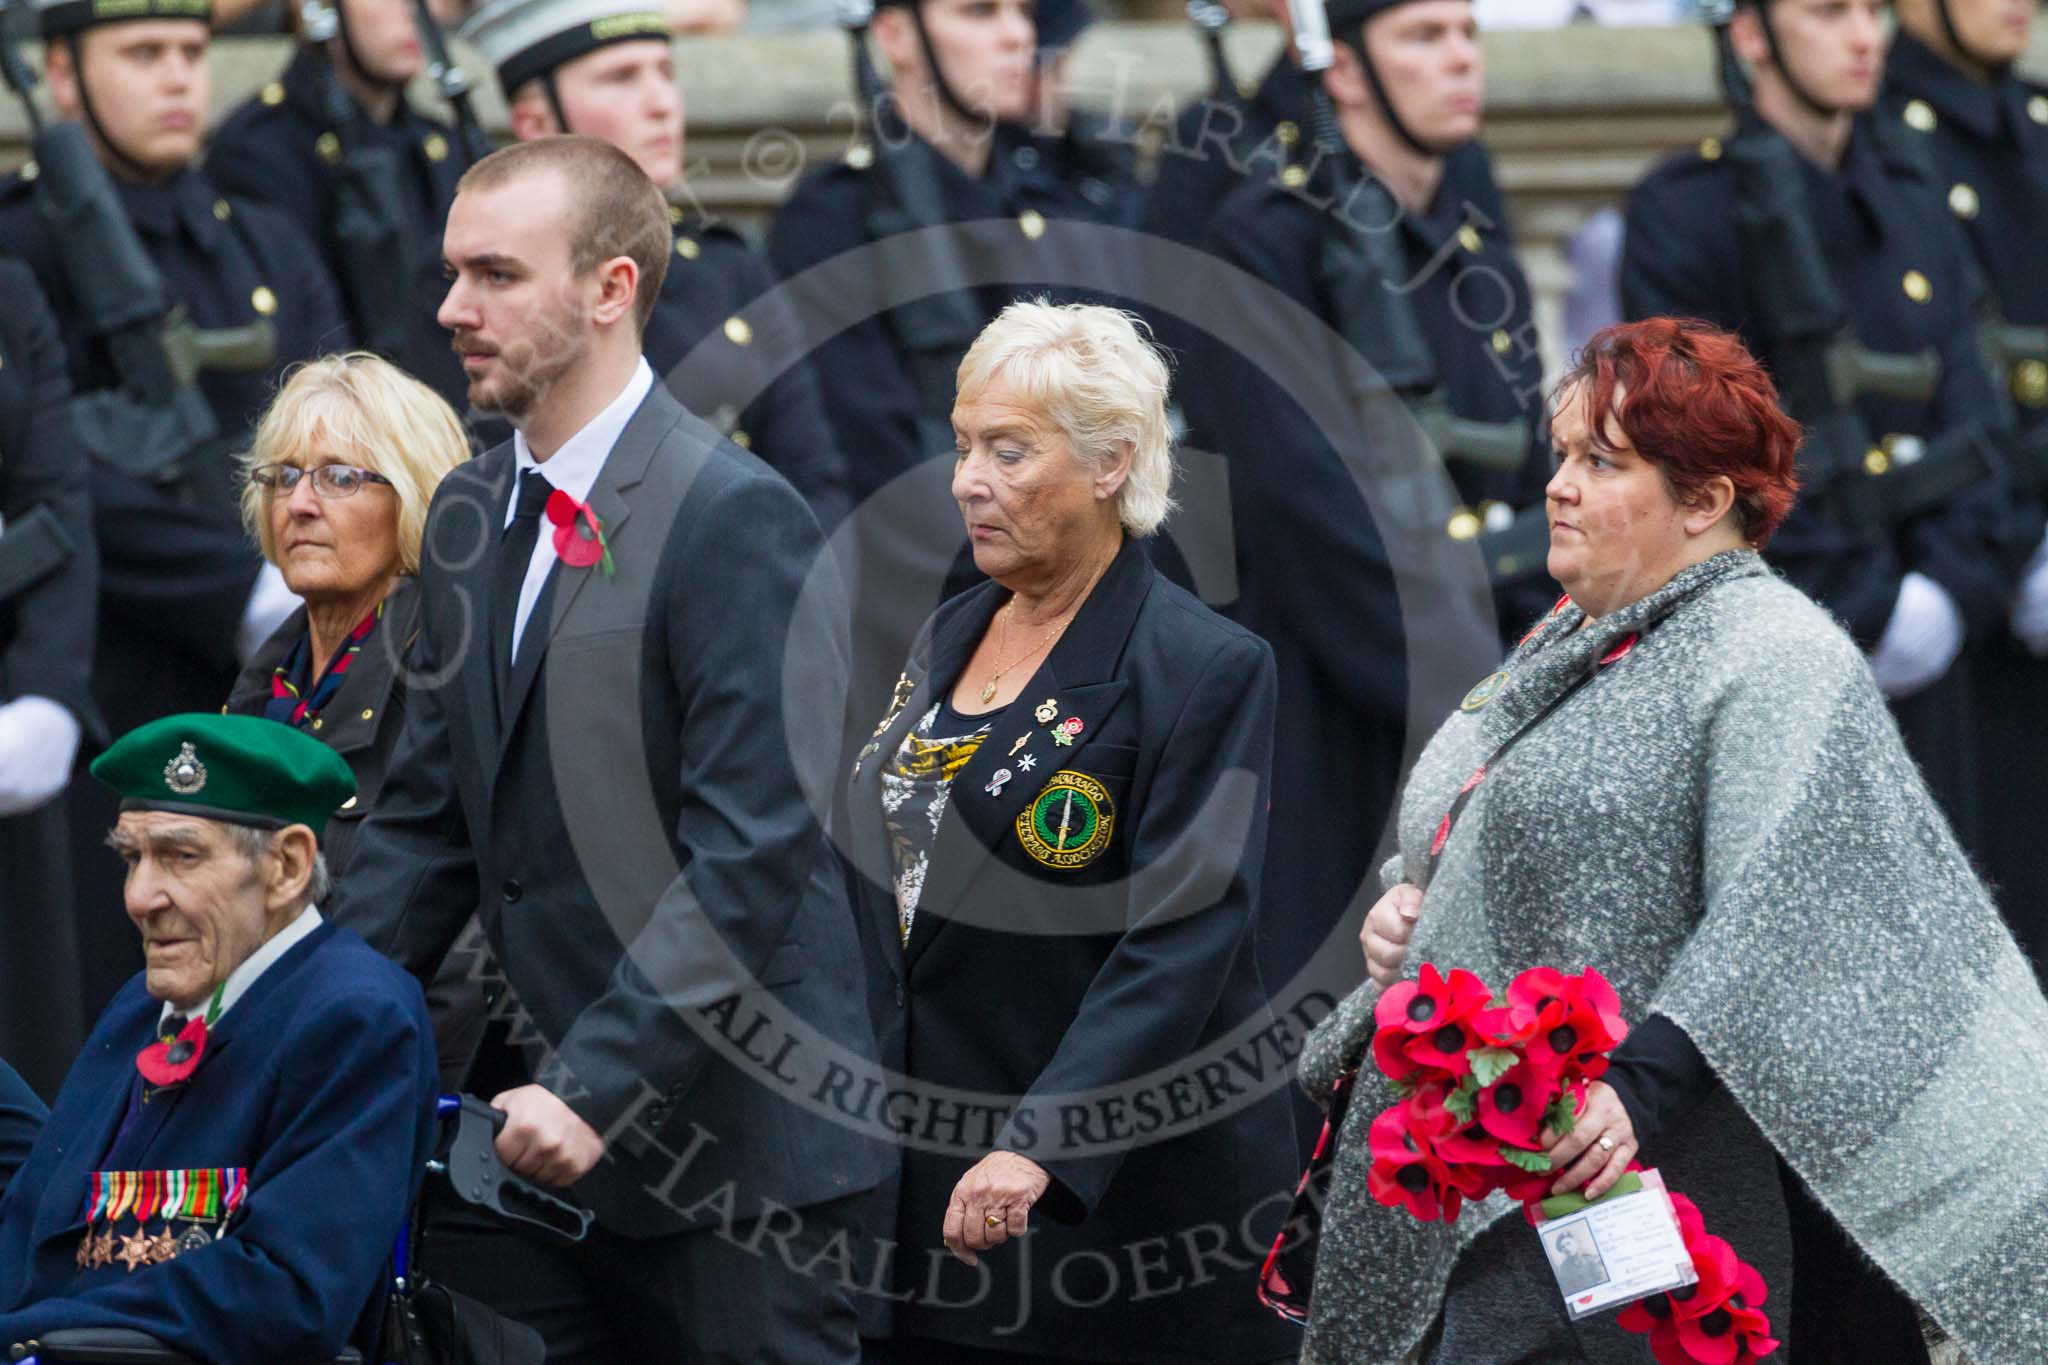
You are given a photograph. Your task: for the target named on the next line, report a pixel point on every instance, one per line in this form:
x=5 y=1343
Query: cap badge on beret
x=185 y=774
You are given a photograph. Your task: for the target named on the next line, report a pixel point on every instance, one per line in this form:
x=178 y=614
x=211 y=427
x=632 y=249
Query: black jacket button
x=512 y=890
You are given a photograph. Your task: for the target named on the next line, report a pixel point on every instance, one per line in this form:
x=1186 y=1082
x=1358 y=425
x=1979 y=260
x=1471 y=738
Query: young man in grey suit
x=622 y=615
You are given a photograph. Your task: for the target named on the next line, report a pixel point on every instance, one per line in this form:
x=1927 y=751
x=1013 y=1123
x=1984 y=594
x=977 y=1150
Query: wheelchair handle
x=471 y=1164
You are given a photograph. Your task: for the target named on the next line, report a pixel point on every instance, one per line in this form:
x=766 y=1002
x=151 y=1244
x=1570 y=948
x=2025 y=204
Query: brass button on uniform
x=1288 y=132
x=1031 y=223
x=272 y=94
x=1464 y=525
x=1294 y=177
x=329 y=147
x=1963 y=202
x=2037 y=109
x=1876 y=463
x=436 y=147
x=262 y=300
x=1248 y=89
x=860 y=156
x=675 y=214
x=319 y=723
x=737 y=331
x=687 y=248
x=369 y=711
x=1916 y=286
x=1710 y=149
x=1502 y=342
x=30 y=171
x=1919 y=116
x=2030 y=383
x=1468 y=237
x=741 y=439
x=222 y=211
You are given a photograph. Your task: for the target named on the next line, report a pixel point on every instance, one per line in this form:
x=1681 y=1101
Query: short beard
x=529 y=370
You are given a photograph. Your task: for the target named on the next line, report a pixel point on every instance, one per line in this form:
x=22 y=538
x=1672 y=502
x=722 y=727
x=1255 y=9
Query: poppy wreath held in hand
x=1477 y=1078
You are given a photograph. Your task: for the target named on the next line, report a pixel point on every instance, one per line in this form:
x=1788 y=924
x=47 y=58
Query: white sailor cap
x=54 y=18
x=522 y=39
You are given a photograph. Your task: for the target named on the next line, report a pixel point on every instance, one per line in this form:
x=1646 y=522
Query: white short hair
x=1094 y=373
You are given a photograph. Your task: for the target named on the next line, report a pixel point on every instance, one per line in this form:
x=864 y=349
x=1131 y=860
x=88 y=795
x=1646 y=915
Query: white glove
x=1920 y=641
x=270 y=602
x=2030 y=612
x=38 y=740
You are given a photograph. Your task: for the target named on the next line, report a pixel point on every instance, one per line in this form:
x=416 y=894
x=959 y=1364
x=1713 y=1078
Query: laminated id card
x=1623 y=1247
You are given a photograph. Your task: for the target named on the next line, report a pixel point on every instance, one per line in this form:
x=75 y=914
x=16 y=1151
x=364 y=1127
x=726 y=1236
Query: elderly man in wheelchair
x=234 y=1152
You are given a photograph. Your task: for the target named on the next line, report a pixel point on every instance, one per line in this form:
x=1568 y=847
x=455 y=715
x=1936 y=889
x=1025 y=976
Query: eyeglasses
x=329 y=480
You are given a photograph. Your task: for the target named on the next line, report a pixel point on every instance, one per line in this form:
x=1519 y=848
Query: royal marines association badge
x=185 y=774
x=1067 y=826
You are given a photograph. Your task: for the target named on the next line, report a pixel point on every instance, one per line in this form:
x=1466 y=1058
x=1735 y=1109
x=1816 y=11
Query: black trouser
x=1844 y=1310
x=712 y=1297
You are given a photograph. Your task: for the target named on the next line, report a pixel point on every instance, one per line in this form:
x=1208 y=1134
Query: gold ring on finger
x=996 y=1220
x=1606 y=1144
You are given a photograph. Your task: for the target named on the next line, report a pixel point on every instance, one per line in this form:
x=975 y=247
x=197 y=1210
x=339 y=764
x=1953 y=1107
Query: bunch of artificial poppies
x=1477 y=1078
x=1719 y=1320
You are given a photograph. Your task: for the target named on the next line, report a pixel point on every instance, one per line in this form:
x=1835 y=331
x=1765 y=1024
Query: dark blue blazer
x=321 y=1082
x=1069 y=1013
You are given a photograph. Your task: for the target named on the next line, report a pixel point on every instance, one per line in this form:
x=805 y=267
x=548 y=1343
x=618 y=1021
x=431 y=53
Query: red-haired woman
x=1685 y=777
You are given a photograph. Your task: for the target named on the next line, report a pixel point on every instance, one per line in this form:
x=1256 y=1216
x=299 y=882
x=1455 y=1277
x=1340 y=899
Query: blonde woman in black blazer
x=1059 y=826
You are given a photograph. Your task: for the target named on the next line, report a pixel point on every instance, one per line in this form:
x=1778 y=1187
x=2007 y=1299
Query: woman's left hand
x=1580 y=1156
x=992 y=1203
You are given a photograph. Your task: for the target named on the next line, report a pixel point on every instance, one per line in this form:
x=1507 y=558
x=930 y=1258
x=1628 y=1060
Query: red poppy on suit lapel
x=572 y=547
x=168 y=1061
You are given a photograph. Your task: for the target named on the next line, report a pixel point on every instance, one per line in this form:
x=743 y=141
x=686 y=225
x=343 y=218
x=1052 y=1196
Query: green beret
x=242 y=769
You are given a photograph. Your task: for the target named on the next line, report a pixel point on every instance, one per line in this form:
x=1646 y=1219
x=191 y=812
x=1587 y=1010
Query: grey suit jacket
x=679 y=962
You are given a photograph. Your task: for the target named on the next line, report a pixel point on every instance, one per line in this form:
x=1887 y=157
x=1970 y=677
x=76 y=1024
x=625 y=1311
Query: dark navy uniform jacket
x=1988 y=146
x=176 y=566
x=1988 y=149
x=1218 y=140
x=282 y=148
x=1314 y=573
x=22 y=1115
x=46 y=650
x=320 y=1082
x=1886 y=235
x=870 y=396
x=1078 y=992
x=698 y=319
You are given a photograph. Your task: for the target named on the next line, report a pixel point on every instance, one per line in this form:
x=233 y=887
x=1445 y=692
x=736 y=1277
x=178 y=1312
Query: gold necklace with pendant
x=988 y=690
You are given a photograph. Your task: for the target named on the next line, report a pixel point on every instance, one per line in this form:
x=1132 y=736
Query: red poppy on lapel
x=168 y=1061
x=572 y=546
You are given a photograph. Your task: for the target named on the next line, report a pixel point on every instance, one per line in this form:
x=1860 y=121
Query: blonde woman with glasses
x=339 y=476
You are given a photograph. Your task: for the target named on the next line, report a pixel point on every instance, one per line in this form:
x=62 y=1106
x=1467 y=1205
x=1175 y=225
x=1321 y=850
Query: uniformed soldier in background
x=1952 y=93
x=48 y=574
x=1237 y=129
x=957 y=120
x=1915 y=572
x=335 y=144
x=604 y=68
x=1316 y=573
x=1815 y=234
x=1092 y=152
x=180 y=592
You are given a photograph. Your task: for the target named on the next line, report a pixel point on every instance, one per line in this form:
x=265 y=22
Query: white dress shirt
x=259 y=962
x=573 y=470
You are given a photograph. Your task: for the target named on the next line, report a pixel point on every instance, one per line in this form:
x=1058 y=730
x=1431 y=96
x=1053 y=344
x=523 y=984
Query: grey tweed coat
x=1726 y=824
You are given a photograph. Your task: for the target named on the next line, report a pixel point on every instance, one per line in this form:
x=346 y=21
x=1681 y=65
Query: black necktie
x=515 y=552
